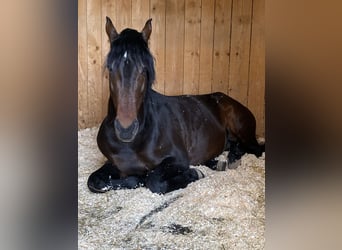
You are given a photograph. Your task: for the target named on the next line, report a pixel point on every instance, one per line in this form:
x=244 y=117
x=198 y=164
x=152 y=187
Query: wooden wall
x=200 y=46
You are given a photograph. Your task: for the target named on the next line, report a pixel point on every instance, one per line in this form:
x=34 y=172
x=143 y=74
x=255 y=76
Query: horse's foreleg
x=171 y=175
x=236 y=151
x=108 y=177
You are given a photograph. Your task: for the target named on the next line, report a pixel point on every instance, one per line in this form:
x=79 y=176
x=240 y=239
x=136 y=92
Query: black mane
x=132 y=41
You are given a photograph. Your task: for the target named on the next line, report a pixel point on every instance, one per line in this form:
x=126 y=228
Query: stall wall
x=200 y=46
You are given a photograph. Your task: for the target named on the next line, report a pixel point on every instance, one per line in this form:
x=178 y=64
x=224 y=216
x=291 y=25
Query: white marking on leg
x=125 y=55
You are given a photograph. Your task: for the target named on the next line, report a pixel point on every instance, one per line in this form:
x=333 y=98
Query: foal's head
x=131 y=74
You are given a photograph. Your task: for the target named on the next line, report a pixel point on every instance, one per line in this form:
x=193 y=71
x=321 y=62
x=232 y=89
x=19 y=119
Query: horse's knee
x=157 y=186
x=183 y=179
x=99 y=182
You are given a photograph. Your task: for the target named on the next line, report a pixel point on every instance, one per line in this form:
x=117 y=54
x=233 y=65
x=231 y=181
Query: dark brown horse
x=150 y=139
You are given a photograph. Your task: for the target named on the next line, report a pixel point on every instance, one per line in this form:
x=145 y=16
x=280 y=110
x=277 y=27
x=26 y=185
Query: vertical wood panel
x=174 y=49
x=199 y=46
x=206 y=49
x=82 y=65
x=108 y=9
x=157 y=42
x=140 y=13
x=221 y=45
x=256 y=90
x=94 y=62
x=123 y=14
x=240 y=47
x=192 y=39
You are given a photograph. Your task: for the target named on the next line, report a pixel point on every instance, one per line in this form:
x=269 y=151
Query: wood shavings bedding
x=224 y=210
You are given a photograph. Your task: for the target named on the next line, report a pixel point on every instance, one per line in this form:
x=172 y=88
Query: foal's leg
x=108 y=177
x=171 y=175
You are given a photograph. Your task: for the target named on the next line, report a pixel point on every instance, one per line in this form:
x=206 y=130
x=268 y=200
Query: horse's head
x=131 y=74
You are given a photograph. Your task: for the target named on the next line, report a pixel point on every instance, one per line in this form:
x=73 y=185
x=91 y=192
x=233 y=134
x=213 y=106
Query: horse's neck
x=146 y=112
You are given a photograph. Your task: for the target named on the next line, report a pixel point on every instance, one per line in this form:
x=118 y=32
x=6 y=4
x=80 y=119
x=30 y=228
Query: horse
x=150 y=139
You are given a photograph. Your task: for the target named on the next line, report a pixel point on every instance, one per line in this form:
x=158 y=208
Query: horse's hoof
x=234 y=164
x=97 y=184
x=221 y=165
x=199 y=173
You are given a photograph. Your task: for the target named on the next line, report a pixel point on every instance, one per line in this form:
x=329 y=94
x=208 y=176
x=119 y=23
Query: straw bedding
x=224 y=210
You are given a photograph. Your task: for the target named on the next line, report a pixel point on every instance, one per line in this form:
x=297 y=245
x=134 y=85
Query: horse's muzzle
x=126 y=134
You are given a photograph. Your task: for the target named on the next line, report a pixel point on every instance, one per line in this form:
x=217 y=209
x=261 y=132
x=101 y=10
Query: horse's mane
x=132 y=41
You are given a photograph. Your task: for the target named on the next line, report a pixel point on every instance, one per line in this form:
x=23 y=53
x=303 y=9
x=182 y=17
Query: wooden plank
x=229 y=59
x=221 y=45
x=82 y=65
x=108 y=9
x=94 y=62
x=240 y=47
x=206 y=48
x=174 y=48
x=256 y=90
x=140 y=13
x=157 y=42
x=123 y=15
x=192 y=39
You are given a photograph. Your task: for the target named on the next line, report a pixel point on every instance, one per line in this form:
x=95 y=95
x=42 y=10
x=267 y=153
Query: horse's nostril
x=118 y=125
x=126 y=134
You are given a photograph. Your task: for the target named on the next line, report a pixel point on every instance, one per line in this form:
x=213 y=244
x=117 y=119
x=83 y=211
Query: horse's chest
x=130 y=164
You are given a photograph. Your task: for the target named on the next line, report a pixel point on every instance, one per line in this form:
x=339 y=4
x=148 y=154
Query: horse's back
x=196 y=120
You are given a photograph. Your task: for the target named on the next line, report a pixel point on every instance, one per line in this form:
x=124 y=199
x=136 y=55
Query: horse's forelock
x=132 y=43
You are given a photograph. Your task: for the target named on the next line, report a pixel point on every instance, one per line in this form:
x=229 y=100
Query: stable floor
x=224 y=210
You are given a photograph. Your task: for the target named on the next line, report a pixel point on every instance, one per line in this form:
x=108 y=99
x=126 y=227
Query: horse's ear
x=110 y=29
x=146 y=31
